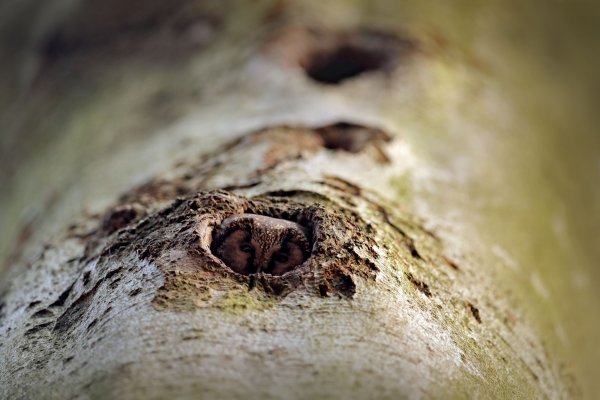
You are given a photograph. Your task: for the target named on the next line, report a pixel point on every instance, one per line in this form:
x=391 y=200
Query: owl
x=250 y=243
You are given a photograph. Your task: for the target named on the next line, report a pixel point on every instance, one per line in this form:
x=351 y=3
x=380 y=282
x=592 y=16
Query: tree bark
x=159 y=121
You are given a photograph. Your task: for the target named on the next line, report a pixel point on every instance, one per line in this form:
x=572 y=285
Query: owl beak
x=260 y=264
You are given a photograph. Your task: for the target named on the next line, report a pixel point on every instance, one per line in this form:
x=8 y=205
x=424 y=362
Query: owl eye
x=246 y=248
x=281 y=257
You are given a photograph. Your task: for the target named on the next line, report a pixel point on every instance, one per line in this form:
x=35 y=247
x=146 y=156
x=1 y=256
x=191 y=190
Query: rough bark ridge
x=128 y=301
x=377 y=295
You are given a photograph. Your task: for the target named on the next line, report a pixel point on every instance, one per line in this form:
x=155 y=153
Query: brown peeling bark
x=128 y=300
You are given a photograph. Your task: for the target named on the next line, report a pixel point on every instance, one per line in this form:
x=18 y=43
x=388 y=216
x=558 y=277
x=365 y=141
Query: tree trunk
x=397 y=136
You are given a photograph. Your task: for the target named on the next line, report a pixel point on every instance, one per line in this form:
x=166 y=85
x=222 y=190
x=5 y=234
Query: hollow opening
x=251 y=244
x=351 y=137
x=331 y=57
x=343 y=62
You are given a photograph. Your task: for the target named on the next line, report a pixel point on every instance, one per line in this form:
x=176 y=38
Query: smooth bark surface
x=397 y=134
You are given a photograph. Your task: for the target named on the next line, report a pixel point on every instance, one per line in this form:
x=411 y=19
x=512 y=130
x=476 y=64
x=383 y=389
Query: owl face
x=249 y=244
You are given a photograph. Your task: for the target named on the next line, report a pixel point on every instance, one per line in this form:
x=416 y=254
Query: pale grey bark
x=134 y=134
